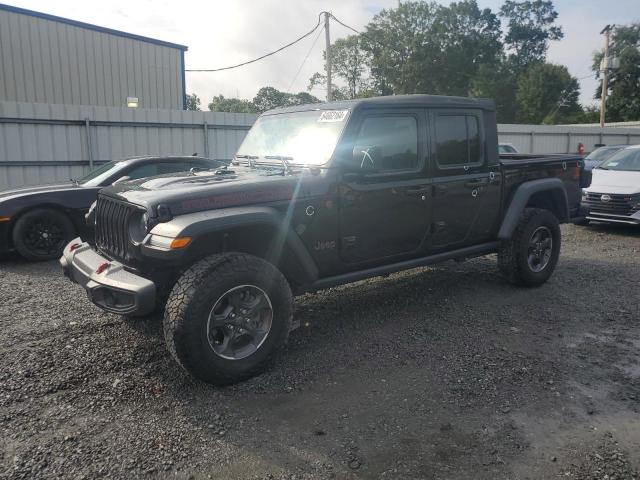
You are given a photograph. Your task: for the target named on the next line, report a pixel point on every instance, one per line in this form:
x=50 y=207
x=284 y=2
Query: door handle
x=417 y=191
x=478 y=182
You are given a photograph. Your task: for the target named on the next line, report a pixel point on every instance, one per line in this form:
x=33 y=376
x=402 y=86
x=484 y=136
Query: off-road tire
x=512 y=256
x=194 y=295
x=55 y=219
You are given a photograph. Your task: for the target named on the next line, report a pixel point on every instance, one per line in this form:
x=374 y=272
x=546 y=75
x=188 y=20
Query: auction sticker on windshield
x=333 y=116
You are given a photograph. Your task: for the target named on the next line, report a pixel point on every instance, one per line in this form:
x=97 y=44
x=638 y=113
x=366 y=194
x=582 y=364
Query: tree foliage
x=530 y=28
x=192 y=102
x=266 y=99
x=349 y=64
x=623 y=100
x=235 y=105
x=269 y=97
x=547 y=93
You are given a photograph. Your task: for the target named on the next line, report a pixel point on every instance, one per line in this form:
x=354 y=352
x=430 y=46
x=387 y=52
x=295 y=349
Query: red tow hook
x=102 y=267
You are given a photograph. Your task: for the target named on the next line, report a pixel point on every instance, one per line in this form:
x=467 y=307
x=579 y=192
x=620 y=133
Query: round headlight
x=138 y=226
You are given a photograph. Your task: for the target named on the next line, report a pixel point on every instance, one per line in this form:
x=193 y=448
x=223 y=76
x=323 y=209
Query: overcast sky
x=223 y=32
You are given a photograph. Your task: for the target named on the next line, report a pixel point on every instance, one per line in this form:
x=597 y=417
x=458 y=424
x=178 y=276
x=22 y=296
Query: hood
x=207 y=190
x=54 y=187
x=614 y=181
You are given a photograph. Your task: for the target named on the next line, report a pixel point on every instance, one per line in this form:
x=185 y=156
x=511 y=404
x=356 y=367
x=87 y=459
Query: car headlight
x=138 y=226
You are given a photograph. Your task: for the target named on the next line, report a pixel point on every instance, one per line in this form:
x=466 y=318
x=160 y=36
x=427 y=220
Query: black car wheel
x=42 y=234
x=227 y=317
x=531 y=254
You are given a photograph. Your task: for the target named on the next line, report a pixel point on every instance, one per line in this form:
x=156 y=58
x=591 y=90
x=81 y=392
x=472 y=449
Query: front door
x=384 y=198
x=462 y=180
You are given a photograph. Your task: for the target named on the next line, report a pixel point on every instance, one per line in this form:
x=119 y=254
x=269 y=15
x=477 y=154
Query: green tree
x=270 y=97
x=530 y=28
x=422 y=47
x=235 y=105
x=349 y=64
x=497 y=81
x=193 y=102
x=547 y=93
x=623 y=100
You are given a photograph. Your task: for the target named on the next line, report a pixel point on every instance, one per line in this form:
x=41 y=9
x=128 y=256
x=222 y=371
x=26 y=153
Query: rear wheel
x=41 y=234
x=530 y=256
x=227 y=317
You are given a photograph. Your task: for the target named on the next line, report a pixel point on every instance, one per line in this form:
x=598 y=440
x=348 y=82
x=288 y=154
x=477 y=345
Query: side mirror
x=365 y=158
x=121 y=179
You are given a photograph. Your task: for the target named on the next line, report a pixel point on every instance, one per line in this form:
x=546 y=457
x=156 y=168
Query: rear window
x=458 y=140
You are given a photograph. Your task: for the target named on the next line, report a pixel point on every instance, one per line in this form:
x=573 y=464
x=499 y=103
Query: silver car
x=614 y=194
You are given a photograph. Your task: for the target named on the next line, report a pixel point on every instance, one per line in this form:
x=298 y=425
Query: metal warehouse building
x=49 y=59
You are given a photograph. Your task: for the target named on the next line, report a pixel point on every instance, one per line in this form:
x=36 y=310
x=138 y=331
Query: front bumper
x=107 y=283
x=611 y=218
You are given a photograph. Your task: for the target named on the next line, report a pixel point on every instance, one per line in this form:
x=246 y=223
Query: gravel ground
x=444 y=372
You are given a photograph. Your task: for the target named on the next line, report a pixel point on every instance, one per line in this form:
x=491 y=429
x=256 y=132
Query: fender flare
x=201 y=223
x=521 y=197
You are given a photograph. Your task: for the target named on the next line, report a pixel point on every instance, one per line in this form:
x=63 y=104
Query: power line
x=263 y=56
x=295 y=77
x=365 y=35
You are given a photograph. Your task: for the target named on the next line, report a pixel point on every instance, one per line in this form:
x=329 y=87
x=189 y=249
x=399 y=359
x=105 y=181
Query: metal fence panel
x=42 y=143
x=563 y=138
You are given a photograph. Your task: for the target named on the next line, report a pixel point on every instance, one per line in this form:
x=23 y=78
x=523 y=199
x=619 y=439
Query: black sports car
x=39 y=221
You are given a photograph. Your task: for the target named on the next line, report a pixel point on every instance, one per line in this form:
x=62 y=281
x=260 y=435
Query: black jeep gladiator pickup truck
x=317 y=196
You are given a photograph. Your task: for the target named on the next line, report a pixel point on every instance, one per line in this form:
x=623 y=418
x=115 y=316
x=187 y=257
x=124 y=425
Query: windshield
x=506 y=149
x=100 y=174
x=600 y=154
x=304 y=138
x=627 y=160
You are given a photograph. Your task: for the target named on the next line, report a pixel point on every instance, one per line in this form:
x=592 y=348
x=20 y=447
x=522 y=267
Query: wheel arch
x=258 y=231
x=547 y=193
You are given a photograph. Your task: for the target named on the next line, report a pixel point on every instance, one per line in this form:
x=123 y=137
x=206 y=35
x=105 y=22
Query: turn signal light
x=75 y=246
x=102 y=267
x=5 y=219
x=180 y=242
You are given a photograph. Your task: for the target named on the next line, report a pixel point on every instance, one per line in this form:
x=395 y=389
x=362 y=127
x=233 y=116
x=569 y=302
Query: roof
x=89 y=26
x=419 y=100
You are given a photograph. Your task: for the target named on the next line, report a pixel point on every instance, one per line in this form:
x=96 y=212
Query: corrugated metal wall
x=48 y=61
x=46 y=143
x=564 y=139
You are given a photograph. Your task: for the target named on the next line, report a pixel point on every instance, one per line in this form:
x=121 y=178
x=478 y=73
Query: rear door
x=464 y=186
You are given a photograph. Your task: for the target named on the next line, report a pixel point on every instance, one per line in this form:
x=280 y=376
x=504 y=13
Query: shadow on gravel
x=615 y=229
x=418 y=375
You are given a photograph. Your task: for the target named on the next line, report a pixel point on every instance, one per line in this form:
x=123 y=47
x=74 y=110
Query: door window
x=389 y=143
x=161 y=168
x=458 y=141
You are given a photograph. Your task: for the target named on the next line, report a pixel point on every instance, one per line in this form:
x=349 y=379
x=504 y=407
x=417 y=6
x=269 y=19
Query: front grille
x=112 y=217
x=616 y=204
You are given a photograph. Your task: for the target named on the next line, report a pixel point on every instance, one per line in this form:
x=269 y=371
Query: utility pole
x=605 y=74
x=327 y=37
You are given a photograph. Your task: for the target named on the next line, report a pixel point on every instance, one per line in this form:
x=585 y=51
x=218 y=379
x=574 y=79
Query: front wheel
x=227 y=317
x=42 y=233
x=530 y=256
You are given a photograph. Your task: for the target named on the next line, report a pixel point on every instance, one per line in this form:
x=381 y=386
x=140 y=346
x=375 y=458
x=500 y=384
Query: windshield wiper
x=75 y=182
x=249 y=158
x=284 y=159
